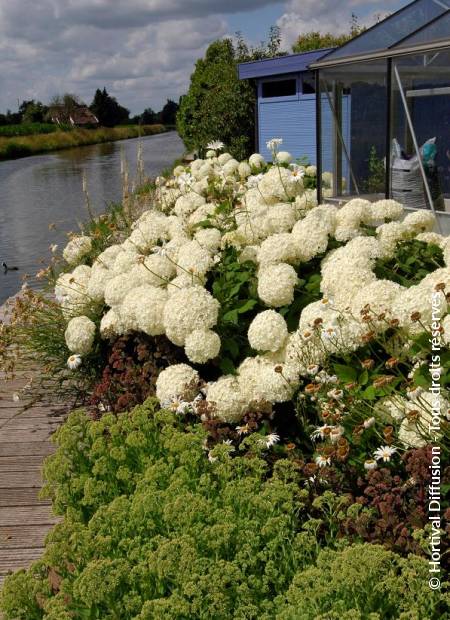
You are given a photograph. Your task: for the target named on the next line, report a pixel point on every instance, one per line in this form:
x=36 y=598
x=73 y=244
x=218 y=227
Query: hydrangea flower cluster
x=158 y=280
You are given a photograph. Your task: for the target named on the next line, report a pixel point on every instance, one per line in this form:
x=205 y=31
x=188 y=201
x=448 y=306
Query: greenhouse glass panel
x=436 y=31
x=354 y=128
x=421 y=82
x=393 y=29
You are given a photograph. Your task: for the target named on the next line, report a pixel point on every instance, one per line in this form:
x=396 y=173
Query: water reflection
x=36 y=192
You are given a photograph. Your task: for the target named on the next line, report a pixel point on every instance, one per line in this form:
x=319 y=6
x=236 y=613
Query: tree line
x=104 y=106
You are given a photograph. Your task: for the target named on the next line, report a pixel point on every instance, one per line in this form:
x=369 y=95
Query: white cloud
x=303 y=16
x=143 y=51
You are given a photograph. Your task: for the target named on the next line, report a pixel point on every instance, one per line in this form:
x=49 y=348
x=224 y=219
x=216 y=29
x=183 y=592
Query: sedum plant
x=153 y=529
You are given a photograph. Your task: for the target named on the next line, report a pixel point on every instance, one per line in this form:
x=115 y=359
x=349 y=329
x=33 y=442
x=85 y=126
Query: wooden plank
x=19 y=463
x=24 y=423
x=16 y=496
x=23 y=536
x=21 y=480
x=18 y=435
x=33 y=448
x=26 y=515
x=13 y=559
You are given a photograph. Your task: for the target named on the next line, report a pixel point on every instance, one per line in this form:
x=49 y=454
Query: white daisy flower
x=270 y=440
x=74 y=362
x=321 y=432
x=273 y=144
x=336 y=433
x=242 y=430
x=384 y=453
x=312 y=369
x=215 y=145
x=322 y=461
x=335 y=394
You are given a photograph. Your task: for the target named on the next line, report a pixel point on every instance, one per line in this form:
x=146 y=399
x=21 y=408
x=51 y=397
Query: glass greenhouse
x=396 y=76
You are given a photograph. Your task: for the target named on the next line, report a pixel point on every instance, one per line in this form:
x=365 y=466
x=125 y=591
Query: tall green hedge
x=218 y=105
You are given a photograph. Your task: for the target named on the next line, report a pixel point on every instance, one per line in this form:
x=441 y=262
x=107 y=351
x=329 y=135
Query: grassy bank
x=22 y=146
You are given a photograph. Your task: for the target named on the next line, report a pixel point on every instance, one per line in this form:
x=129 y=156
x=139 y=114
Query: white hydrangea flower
x=125 y=260
x=350 y=217
x=202 y=345
x=182 y=281
x=80 y=335
x=187 y=310
x=178 y=380
x=327 y=179
x=108 y=257
x=268 y=331
x=149 y=230
x=226 y=400
x=201 y=214
x=71 y=291
x=420 y=221
x=276 y=284
x=155 y=270
x=118 y=287
x=111 y=325
x=279 y=248
x=97 y=282
x=257 y=161
x=224 y=158
x=194 y=259
x=244 y=170
x=261 y=379
x=230 y=168
x=311 y=171
x=379 y=296
x=143 y=309
x=76 y=249
x=179 y=170
x=280 y=218
x=389 y=235
x=249 y=253
x=432 y=237
x=280 y=184
x=283 y=157
x=204 y=172
x=310 y=238
x=385 y=210
x=187 y=204
x=210 y=238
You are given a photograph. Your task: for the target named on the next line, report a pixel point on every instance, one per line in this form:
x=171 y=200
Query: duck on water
x=6 y=268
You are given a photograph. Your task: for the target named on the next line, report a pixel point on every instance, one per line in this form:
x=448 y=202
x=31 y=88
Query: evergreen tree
x=107 y=109
x=168 y=114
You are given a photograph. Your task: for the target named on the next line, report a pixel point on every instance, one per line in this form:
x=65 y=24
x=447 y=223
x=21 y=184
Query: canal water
x=41 y=197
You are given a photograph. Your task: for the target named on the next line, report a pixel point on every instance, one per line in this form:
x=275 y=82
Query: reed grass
x=22 y=146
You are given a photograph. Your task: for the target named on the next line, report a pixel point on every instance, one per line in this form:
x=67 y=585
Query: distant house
x=78 y=117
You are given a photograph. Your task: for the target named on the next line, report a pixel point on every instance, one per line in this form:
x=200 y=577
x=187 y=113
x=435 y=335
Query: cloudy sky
x=143 y=51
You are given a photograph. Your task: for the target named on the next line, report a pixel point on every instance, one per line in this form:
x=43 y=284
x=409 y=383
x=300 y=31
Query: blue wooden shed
x=286 y=107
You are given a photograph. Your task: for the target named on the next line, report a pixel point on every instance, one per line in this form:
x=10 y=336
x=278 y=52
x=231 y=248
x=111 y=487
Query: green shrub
x=363 y=582
x=155 y=530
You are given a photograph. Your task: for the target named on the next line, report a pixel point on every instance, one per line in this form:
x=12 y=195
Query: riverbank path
x=24 y=443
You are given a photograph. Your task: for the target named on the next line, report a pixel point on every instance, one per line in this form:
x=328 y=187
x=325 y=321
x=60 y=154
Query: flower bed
x=288 y=344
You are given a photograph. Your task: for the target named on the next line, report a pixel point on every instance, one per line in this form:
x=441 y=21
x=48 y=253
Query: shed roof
x=292 y=63
x=396 y=34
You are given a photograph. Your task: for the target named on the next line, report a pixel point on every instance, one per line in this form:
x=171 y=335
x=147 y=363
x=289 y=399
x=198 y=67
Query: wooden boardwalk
x=24 y=443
